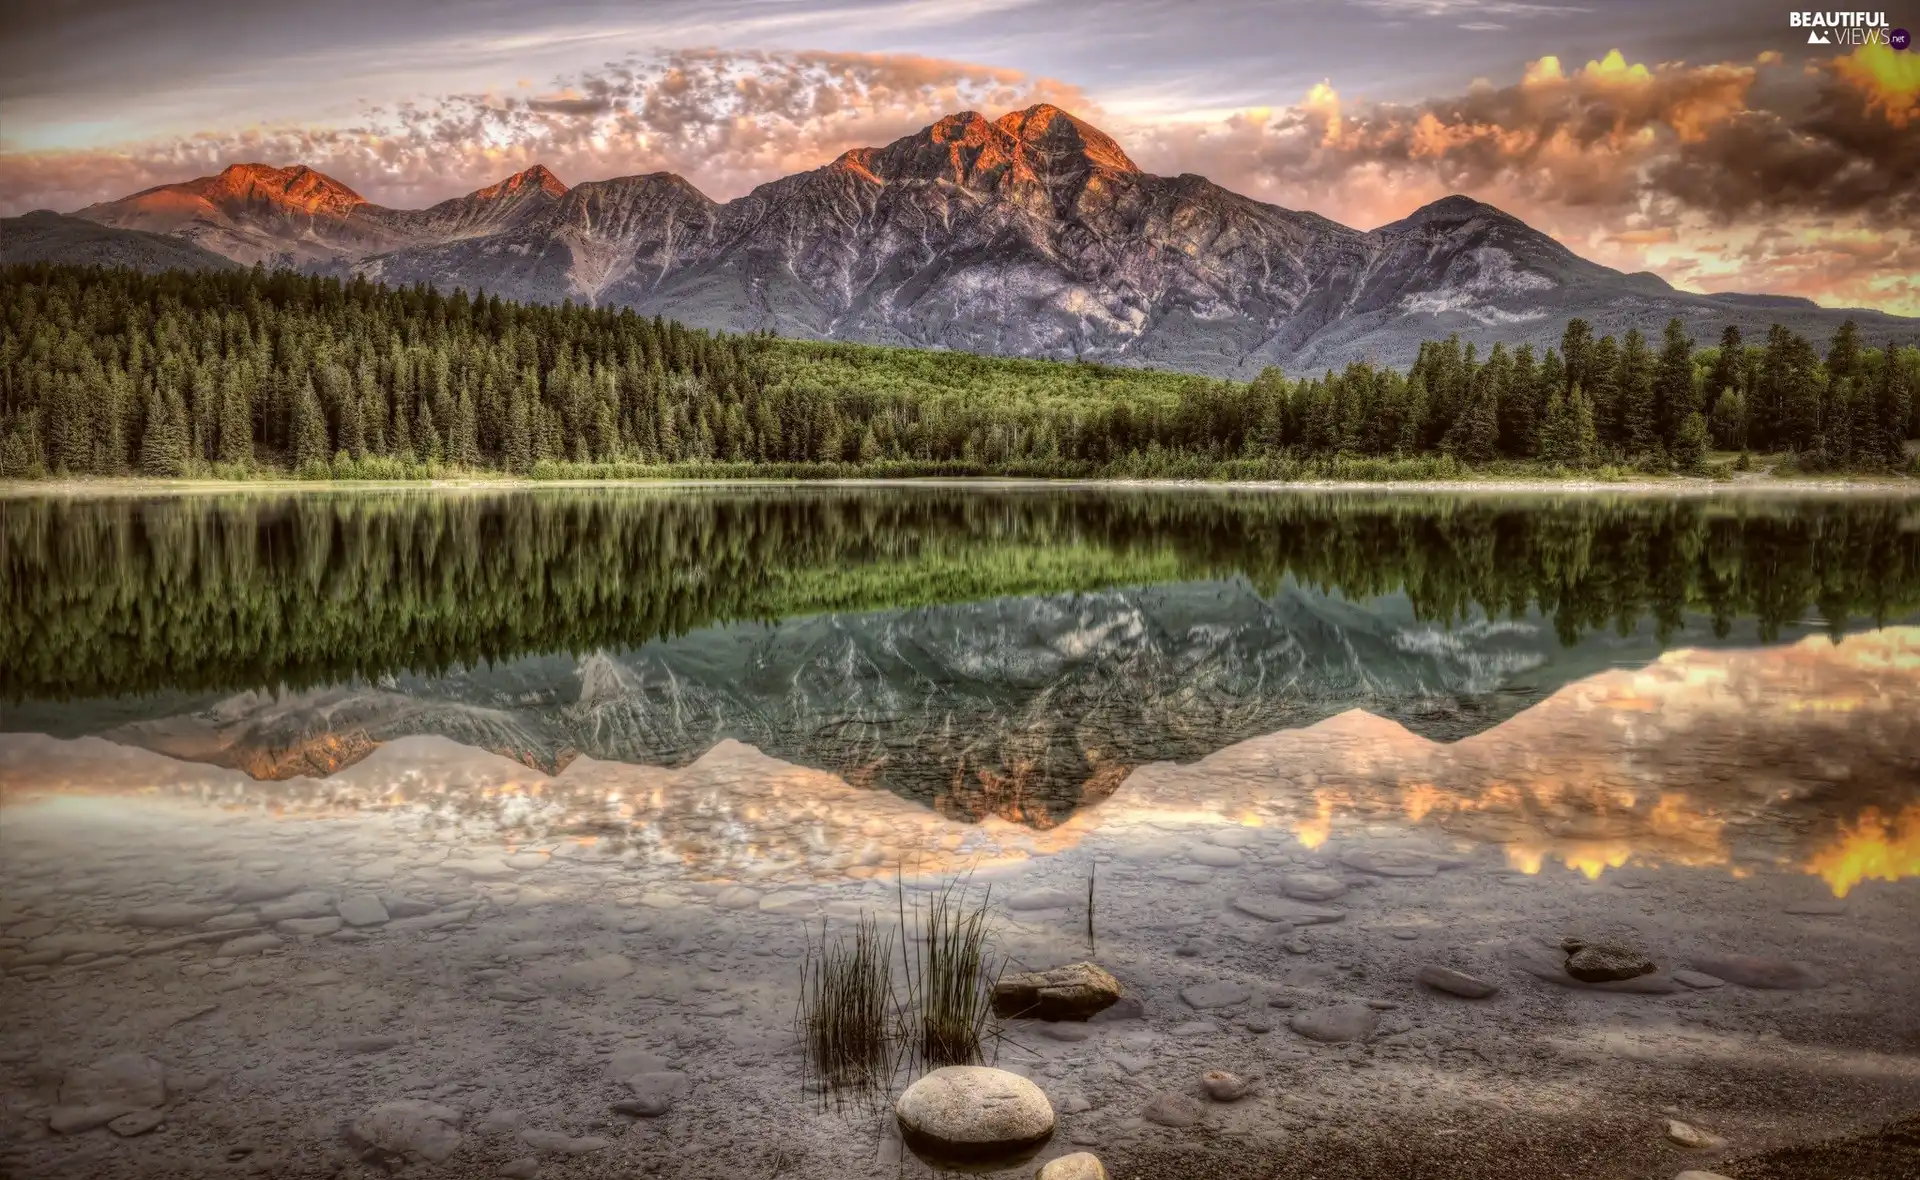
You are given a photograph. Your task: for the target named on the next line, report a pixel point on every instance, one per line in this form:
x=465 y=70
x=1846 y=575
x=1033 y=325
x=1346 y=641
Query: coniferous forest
x=229 y=374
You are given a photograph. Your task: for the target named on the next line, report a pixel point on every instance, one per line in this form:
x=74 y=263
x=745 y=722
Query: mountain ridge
x=1033 y=234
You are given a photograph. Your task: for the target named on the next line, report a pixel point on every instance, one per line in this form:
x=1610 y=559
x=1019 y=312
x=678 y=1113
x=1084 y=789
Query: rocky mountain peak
x=1056 y=136
x=526 y=181
x=296 y=188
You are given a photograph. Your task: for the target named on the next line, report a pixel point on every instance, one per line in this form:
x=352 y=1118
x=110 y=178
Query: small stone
x=520 y=1169
x=1280 y=909
x=1189 y=874
x=557 y=1143
x=973 y=1112
x=1257 y=1022
x=1757 y=972
x=1688 y=1135
x=511 y=994
x=654 y=1093
x=483 y=868
x=1312 y=886
x=1405 y=935
x=1600 y=962
x=1065 y=1032
x=363 y=909
x=256 y=889
x=527 y=861
x=137 y=1123
x=1073 y=992
x=407 y=1127
x=1696 y=1174
x=1395 y=862
x=1299 y=946
x=1457 y=983
x=1194 y=1028
x=251 y=944
x=75 y=1120
x=239 y=920
x=1698 y=980
x=1216 y=857
x=398 y=906
x=308 y=927
x=1042 y=899
x=1829 y=907
x=787 y=901
x=1222 y=1086
x=1081 y=1165
x=1173 y=1110
x=1336 y=1024
x=310 y=904
x=172 y=915
x=738 y=897
x=1124 y=1008
x=1221 y=993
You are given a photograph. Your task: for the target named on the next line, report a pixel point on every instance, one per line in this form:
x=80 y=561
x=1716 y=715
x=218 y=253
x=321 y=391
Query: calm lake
x=505 y=809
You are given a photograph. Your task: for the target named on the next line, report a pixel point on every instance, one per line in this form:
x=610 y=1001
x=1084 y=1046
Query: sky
x=1704 y=141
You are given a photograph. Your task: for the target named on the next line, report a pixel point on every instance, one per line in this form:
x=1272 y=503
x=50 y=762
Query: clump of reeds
x=949 y=976
x=848 y=1015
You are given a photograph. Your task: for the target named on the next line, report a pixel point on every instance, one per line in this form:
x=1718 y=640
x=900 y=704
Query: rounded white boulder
x=973 y=1112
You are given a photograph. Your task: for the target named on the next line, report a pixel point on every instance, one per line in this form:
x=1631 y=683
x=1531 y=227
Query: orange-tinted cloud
x=727 y=121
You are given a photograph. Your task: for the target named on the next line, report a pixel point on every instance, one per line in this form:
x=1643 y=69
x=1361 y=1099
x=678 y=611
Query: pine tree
x=163 y=443
x=1689 y=448
x=310 y=449
x=1728 y=423
x=236 y=418
x=1639 y=423
x=1673 y=396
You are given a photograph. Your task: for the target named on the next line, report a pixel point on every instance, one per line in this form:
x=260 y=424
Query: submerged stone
x=1073 y=992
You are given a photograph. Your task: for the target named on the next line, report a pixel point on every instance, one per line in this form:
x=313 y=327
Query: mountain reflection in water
x=1781 y=758
x=1012 y=652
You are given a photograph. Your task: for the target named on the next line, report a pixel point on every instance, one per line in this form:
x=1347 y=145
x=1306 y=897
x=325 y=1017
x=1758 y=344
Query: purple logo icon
x=1899 y=38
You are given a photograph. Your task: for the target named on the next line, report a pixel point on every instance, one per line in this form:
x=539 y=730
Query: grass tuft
x=847 y=1011
x=949 y=976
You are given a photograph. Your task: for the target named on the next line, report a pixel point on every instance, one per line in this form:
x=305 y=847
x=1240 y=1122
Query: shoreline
x=1901 y=487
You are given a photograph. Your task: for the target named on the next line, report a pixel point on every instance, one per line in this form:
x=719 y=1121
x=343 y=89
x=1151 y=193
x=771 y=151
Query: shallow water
x=583 y=768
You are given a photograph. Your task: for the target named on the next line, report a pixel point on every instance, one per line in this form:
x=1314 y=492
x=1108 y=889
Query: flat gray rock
x=1284 y=909
x=1457 y=983
x=251 y=944
x=1759 y=972
x=654 y=1093
x=973 y=1112
x=1312 y=886
x=1698 y=980
x=311 y=904
x=363 y=909
x=1221 y=993
x=172 y=915
x=1216 y=856
x=308 y=927
x=1043 y=899
x=1604 y=962
x=138 y=1122
x=1173 y=1110
x=1336 y=1024
x=559 y=1143
x=409 y=1128
x=1396 y=862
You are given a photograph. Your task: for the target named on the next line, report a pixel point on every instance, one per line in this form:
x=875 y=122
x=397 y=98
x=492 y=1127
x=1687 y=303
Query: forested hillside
x=109 y=372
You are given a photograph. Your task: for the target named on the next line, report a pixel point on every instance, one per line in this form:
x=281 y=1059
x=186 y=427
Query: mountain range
x=1029 y=235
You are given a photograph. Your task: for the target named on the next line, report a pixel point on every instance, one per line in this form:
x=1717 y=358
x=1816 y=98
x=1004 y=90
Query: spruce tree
x=163 y=443
x=310 y=448
x=1639 y=424
x=1673 y=397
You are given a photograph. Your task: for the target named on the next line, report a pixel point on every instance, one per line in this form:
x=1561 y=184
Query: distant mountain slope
x=1030 y=235
x=44 y=236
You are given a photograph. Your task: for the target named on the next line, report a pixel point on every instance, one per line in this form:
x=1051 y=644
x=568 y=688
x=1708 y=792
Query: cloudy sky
x=1705 y=141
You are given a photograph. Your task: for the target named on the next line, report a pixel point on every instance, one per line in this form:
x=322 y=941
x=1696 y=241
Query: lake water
x=422 y=830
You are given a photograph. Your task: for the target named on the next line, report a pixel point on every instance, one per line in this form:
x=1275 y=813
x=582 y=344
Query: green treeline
x=106 y=372
x=105 y=596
